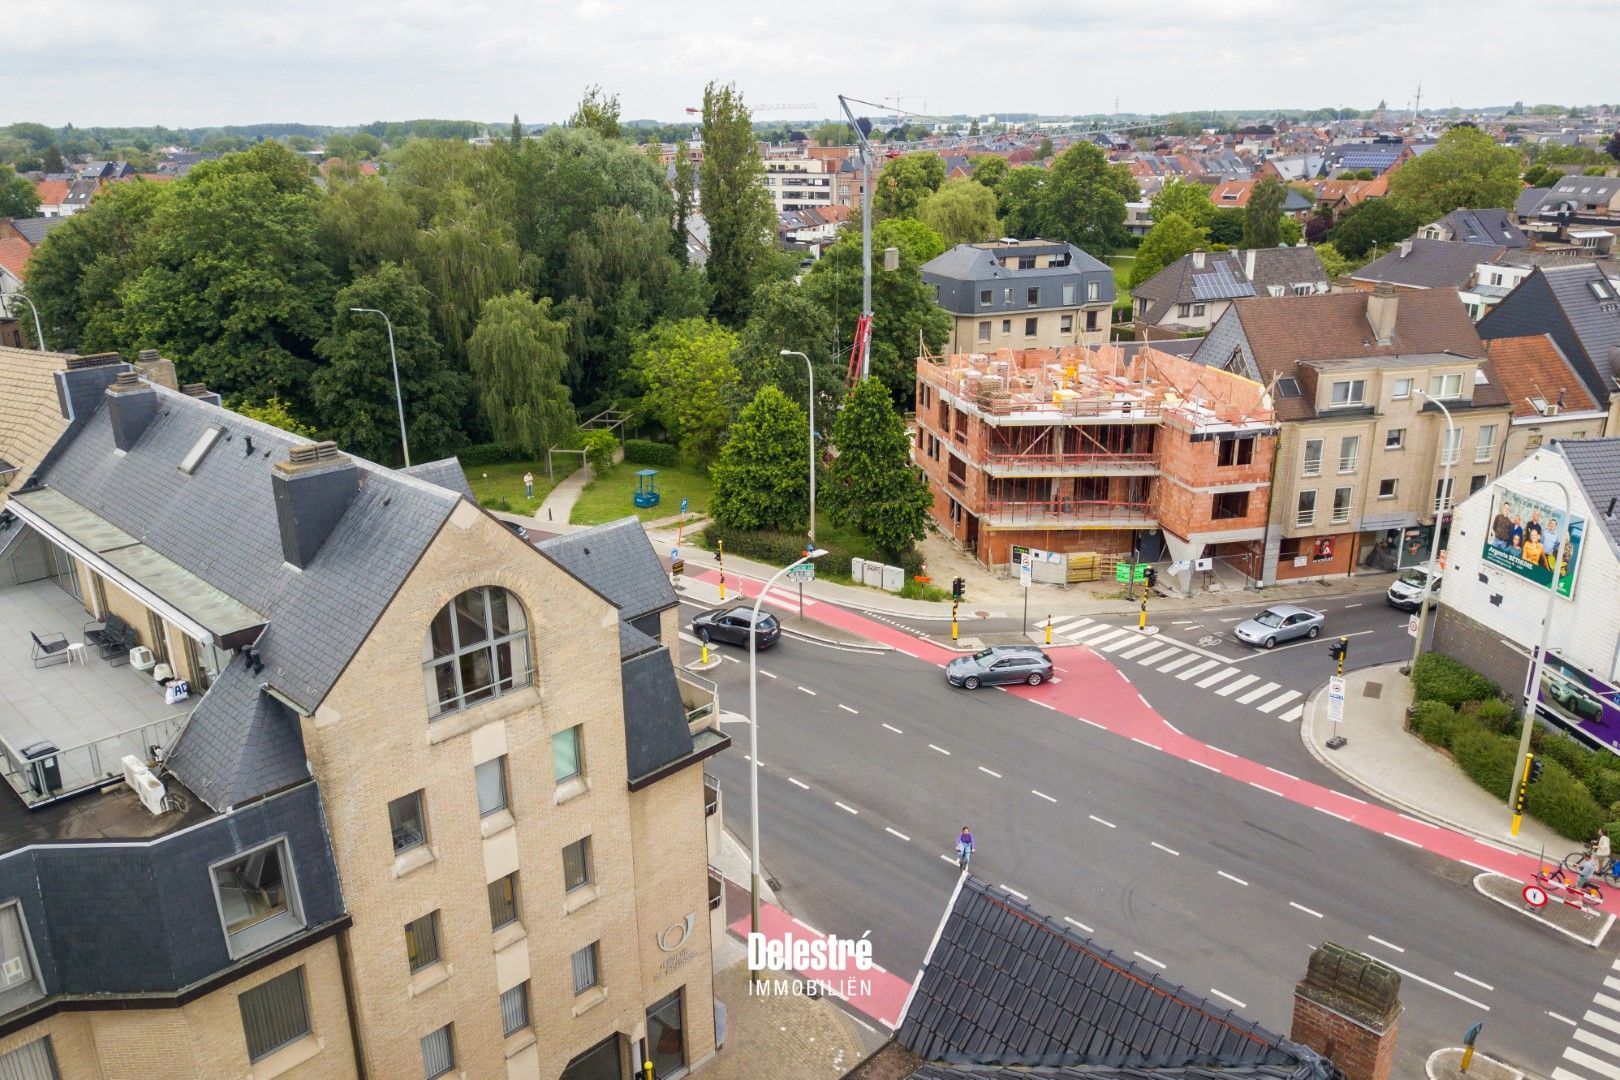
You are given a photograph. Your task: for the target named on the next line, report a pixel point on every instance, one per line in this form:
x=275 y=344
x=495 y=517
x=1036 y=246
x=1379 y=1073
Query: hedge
x=1498 y=716
x=781 y=548
x=1489 y=760
x=1562 y=802
x=647 y=452
x=1436 y=722
x=1440 y=678
x=489 y=454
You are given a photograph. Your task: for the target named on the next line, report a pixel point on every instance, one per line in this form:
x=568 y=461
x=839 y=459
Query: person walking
x=1601 y=849
x=964 y=848
x=528 y=485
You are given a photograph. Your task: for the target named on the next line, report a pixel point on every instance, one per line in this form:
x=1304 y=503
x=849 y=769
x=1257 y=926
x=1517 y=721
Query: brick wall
x=1362 y=1052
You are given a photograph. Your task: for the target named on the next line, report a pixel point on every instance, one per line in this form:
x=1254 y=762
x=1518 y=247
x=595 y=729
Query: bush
x=1604 y=784
x=600 y=446
x=776 y=548
x=1498 y=716
x=1488 y=759
x=1562 y=803
x=647 y=452
x=1437 y=723
x=1440 y=678
x=489 y=454
x=1564 y=750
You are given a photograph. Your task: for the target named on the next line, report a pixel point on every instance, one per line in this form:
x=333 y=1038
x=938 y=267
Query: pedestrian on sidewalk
x=1601 y=849
x=964 y=848
x=528 y=485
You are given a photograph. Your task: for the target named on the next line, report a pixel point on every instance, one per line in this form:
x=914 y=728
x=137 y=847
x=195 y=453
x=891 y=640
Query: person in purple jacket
x=964 y=848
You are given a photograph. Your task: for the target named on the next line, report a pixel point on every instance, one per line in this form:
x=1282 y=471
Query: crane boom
x=860 y=358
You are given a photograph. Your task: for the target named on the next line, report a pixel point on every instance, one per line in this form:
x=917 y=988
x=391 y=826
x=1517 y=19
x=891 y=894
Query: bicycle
x=1565 y=880
x=1609 y=869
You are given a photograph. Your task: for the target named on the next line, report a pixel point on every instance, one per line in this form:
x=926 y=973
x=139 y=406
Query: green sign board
x=1130 y=571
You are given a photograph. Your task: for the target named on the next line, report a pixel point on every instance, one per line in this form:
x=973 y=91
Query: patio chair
x=51 y=649
x=109 y=631
x=116 y=653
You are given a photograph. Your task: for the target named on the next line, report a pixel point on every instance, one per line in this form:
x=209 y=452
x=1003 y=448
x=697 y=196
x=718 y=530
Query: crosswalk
x=1594 y=1050
x=1216 y=676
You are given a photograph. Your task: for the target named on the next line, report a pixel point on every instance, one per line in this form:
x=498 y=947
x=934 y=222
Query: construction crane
x=860 y=354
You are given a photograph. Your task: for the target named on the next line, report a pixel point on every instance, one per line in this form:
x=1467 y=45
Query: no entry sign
x=1535 y=896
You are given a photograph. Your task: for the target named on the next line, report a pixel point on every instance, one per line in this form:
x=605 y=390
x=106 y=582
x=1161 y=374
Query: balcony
x=711 y=794
x=1067 y=513
x=699 y=696
x=1011 y=463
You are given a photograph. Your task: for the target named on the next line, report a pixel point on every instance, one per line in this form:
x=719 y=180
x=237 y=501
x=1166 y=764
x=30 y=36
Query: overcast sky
x=192 y=63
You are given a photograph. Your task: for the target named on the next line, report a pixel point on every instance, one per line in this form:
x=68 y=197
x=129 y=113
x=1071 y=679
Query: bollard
x=1141 y=621
x=705 y=653
x=953 y=620
x=1049 y=629
x=720 y=559
x=647 y=1067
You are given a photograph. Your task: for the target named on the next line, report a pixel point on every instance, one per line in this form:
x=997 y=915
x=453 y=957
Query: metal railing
x=699 y=696
x=45 y=777
x=1058 y=461
x=711 y=794
x=717 y=887
x=1061 y=511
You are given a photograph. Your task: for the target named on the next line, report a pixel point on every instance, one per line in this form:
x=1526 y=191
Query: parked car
x=1000 y=664
x=1405 y=591
x=517 y=530
x=731 y=625
x=1279 y=623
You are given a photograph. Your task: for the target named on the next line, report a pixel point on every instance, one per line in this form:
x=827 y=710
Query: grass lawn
x=607 y=497
x=504 y=482
x=1122 y=276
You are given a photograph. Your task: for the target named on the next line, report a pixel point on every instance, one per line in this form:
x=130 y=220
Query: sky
x=197 y=63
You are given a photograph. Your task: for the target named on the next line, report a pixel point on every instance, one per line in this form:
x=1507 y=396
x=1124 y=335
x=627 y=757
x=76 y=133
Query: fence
x=45 y=778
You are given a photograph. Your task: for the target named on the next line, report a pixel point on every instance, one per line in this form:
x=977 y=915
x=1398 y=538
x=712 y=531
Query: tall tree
x=51 y=160
x=18 y=199
x=1018 y=201
x=1262 y=217
x=1226 y=226
x=1380 y=222
x=735 y=203
x=1466 y=168
x=515 y=137
x=1083 y=201
x=1612 y=147
x=1171 y=237
x=962 y=212
x=689 y=382
x=364 y=224
x=904 y=183
x=685 y=191
x=518 y=355
x=1188 y=199
x=353 y=389
x=597 y=111
x=784 y=315
x=872 y=486
x=990 y=170
x=463 y=258
x=762 y=478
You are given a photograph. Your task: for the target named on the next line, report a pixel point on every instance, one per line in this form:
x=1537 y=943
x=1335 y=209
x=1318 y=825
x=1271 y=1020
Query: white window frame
x=1305 y=516
x=1394 y=487
x=294 y=912
x=1395 y=438
x=1450 y=445
x=506 y=786
x=1349 y=458
x=1340 y=515
x=1402 y=390
x=1440 y=386
x=1355 y=393
x=1310 y=466
x=1485 y=444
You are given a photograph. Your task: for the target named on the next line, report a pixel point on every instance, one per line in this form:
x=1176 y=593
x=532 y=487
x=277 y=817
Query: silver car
x=1279 y=623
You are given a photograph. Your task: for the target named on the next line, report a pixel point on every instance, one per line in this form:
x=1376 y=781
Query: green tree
x=597 y=111
x=685 y=190
x=1333 y=262
x=463 y=258
x=18 y=198
x=1171 y=237
x=1044 y=149
x=962 y=212
x=742 y=223
x=872 y=486
x=1612 y=147
x=832 y=134
x=1289 y=230
x=601 y=448
x=762 y=478
x=689 y=381
x=1376 y=221
x=990 y=170
x=51 y=160
x=1261 y=228
x=1466 y=168
x=353 y=389
x=785 y=315
x=365 y=224
x=904 y=183
x=275 y=413
x=517 y=356
x=1018 y=201
x=1186 y=198
x=1226 y=226
x=1083 y=201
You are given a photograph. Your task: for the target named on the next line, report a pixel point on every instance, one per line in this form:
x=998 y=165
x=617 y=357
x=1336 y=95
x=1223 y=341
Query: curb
x=1593 y=942
x=875 y=647
x=1457 y=1051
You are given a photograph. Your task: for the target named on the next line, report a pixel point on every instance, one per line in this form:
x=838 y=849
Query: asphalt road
x=870 y=764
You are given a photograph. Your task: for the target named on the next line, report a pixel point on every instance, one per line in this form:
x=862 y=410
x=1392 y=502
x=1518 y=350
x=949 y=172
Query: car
x=1278 y=623
x=517 y=530
x=731 y=625
x=1000 y=664
x=1572 y=698
x=1405 y=590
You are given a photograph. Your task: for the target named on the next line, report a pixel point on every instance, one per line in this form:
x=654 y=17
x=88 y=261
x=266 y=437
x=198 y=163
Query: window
x=422 y=941
x=1476 y=482
x=1066 y=324
x=257 y=902
x=565 y=755
x=1183 y=310
x=1093 y=290
x=1032 y=326
x=1313 y=457
x=1403 y=389
x=17 y=983
x=1349 y=452
x=1306 y=514
x=1091 y=319
x=1386 y=488
x=477 y=647
x=407 y=822
x=1006 y=326
x=1532 y=442
x=666 y=1036
x=274 y=1013
x=1033 y=295
x=1445 y=386
x=1348 y=392
x=503 y=901
x=1450 y=444
x=984 y=330
x=1485 y=447
x=1198 y=310
x=1341 y=505
x=585 y=973
x=1304 y=289
x=438 y=1053
x=1026 y=262
x=491 y=780
x=515 y=1009
x=577 y=864
x=1394 y=438
x=1068 y=295
x=1230 y=504
x=1442 y=493
x=985 y=296
x=30 y=1061
x=1006 y=295
x=1235 y=452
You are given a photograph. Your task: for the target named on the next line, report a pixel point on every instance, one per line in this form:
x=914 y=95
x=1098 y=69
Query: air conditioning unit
x=133 y=767
x=151 y=791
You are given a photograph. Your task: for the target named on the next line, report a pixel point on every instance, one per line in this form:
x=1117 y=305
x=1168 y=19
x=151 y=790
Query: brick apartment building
x=1077 y=449
x=431 y=805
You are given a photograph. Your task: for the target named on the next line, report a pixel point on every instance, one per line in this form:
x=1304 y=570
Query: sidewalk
x=559 y=502
x=1386 y=760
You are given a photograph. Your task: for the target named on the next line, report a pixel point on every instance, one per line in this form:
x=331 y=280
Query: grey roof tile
x=446 y=473
x=1430 y=264
x=618 y=561
x=1596 y=465
x=1492 y=227
x=655 y=730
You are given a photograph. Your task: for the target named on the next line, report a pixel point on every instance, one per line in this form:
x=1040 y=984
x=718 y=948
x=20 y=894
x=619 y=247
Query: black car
x=517 y=530
x=730 y=624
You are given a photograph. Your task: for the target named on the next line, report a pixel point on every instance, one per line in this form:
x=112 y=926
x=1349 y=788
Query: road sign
x=1026 y=569
x=803 y=572
x=674 y=553
x=1440 y=560
x=683 y=506
x=1535 y=896
x=1126 y=572
x=1412 y=625
x=1336 y=698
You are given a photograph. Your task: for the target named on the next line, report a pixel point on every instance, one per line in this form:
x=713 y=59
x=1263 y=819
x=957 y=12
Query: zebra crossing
x=1124 y=643
x=1594 y=1049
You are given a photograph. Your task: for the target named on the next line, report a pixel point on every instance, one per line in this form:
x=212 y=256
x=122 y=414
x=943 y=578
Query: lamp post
x=1533 y=693
x=393 y=360
x=753 y=746
x=810 y=375
x=1440 y=503
x=39 y=332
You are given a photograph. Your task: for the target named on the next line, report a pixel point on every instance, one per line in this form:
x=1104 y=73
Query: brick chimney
x=131 y=405
x=1381 y=312
x=313 y=489
x=1348 y=1009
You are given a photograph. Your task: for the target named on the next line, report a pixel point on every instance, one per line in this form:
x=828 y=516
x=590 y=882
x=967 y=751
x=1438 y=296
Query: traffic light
x=1340 y=649
x=1518 y=801
x=1151 y=576
x=958 y=587
x=1535 y=770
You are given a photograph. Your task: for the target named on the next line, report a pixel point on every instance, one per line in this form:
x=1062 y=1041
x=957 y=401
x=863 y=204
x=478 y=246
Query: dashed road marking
x=767 y=674
x=1141 y=648
x=1434 y=985
x=1100 y=821
x=807 y=690
x=1218 y=750
x=1041 y=795
x=846 y=809
x=990 y=772
x=893 y=832
x=1227 y=997
x=1142 y=699
x=1144 y=742
x=1149 y=959
x=1093 y=723
x=1161 y=847
x=1009 y=889
x=1081 y=925
x=798 y=783
x=1330 y=813
x=1562 y=1019
x=1476 y=982
x=1118 y=645
x=1306 y=910
x=1205 y=765
x=941 y=749
x=857 y=712
x=1404 y=840
x=894 y=729
x=1268 y=791
x=1279 y=772
x=1196 y=669
x=1232 y=877
x=1417 y=821
x=1385 y=944
x=1153 y=658
x=1219 y=676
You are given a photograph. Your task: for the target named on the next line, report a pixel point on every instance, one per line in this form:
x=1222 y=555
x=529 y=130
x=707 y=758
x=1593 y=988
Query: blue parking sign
x=683 y=506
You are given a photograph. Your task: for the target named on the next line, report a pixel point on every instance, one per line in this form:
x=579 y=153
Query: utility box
x=44 y=769
x=857 y=569
x=894 y=578
x=872 y=574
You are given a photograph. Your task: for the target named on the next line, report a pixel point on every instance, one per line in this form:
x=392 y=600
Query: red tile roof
x=1533 y=367
x=14 y=255
x=52 y=192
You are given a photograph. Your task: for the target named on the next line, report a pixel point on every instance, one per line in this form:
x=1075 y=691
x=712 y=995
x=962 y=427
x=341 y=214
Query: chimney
x=313 y=489
x=131 y=405
x=1348 y=1009
x=201 y=392
x=1248 y=264
x=1406 y=248
x=1198 y=259
x=1381 y=312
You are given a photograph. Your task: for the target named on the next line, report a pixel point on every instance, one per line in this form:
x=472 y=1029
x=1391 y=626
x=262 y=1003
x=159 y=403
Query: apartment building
x=316 y=769
x=1077 y=449
x=1358 y=380
x=1191 y=294
x=1022 y=294
x=798 y=183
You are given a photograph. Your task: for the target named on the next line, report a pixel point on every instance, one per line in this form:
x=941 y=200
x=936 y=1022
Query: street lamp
x=810 y=374
x=393 y=360
x=39 y=332
x=753 y=743
x=1451 y=446
x=1533 y=693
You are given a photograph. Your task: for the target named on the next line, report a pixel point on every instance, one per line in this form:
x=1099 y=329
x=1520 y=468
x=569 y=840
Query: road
x=870 y=764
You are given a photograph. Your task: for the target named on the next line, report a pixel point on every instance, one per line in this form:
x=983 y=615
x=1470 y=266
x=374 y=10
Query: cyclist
x=1584 y=871
x=964 y=848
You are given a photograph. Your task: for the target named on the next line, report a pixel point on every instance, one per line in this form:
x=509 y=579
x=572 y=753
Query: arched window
x=477 y=647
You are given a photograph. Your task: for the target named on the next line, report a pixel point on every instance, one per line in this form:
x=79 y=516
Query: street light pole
x=39 y=332
x=1446 y=451
x=393 y=360
x=810 y=375
x=1533 y=693
x=756 y=874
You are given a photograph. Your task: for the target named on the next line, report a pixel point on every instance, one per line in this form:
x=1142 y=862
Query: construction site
x=1077 y=452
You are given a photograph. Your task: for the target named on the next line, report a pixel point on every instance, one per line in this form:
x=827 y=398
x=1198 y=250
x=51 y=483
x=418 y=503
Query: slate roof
x=34 y=229
x=960 y=273
x=617 y=561
x=1561 y=301
x=1429 y=264
x=1004 y=985
x=1224 y=277
x=1534 y=367
x=655 y=729
x=1529 y=201
x=1596 y=465
x=445 y=473
x=1491 y=226
x=1581 y=193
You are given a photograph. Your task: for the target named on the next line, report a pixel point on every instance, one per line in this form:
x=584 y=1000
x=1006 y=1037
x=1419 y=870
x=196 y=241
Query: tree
x=1171 y=237
x=275 y=413
x=1335 y=264
x=904 y=183
x=1083 y=201
x=1187 y=199
x=353 y=390
x=1289 y=230
x=1612 y=147
x=685 y=189
x=600 y=450
x=1541 y=176
x=990 y=170
x=1018 y=201
x=518 y=355
x=463 y=258
x=1044 y=149
x=1261 y=228
x=973 y=127
x=742 y=223
x=832 y=134
x=1376 y=221
x=689 y=381
x=18 y=199
x=785 y=315
x=1466 y=168
x=597 y=111
x=364 y=224
x=1318 y=225
x=762 y=478
x=1226 y=226
x=51 y=160
x=872 y=486
x=962 y=212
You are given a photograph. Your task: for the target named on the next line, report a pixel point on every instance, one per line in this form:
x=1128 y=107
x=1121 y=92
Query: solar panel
x=1219 y=284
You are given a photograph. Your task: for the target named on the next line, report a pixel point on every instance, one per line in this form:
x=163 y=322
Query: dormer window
x=1445 y=386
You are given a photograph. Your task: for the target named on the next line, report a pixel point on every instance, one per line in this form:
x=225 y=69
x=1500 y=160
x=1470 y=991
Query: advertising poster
x=1527 y=537
x=1585 y=704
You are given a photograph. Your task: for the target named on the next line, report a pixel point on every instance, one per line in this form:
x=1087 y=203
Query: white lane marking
x=1608 y=1023
x=1564 y=1019
x=1219 y=676
x=1267 y=790
x=1205 y=765
x=1046 y=704
x=941 y=749
x=1293 y=714
x=1093 y=723
x=1139 y=650
x=1476 y=982
x=1233 y=687
x=1227 y=997
x=1161 y=847
x=1597 y=1065
x=1081 y=925
x=1255 y=695
x=1363 y=802
x=847 y=709
x=1218 y=750
x=1198 y=669
x=1178 y=661
x=894 y=729
x=1415 y=821
x=1041 y=795
x=1404 y=840
x=1347 y=607
x=1118 y=645
x=1100 y=821
x=1183 y=622
x=798 y=783
x=1305 y=909
x=1009 y=889
x=1279 y=772
x=1442 y=989
x=1330 y=813
x=1230 y=877
x=1144 y=742
x=949 y=859
x=1113 y=633
x=1385 y=944
x=1143 y=700
x=846 y=809
x=893 y=832
x=732 y=659
x=1493 y=846
x=1238 y=619
x=1278 y=702
x=1476 y=866
x=807 y=690
x=767 y=674
x=991 y=772
x=1154 y=657
x=1612 y=984
x=1565 y=1074
x=689 y=639
x=1148 y=958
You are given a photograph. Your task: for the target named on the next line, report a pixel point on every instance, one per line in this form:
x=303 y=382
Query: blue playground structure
x=646 y=488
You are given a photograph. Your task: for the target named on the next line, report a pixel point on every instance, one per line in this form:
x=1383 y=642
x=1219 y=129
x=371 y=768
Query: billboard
x=1583 y=703
x=1532 y=539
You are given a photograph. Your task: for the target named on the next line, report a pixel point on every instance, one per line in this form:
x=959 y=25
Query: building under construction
x=1093 y=450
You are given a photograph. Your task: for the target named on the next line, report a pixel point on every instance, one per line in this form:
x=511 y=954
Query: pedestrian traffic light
x=958 y=587
x=1535 y=770
x=1518 y=801
x=1151 y=576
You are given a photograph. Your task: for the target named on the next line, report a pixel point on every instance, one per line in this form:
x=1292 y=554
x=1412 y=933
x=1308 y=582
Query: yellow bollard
x=720 y=558
x=1468 y=1055
x=705 y=654
x=1141 y=622
x=1049 y=629
x=953 y=620
x=647 y=1067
